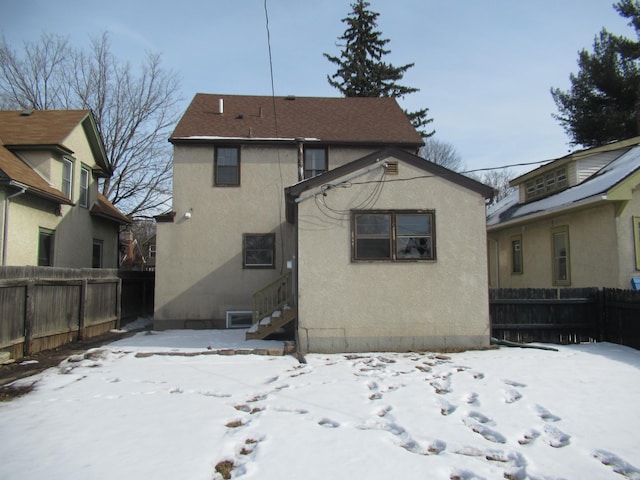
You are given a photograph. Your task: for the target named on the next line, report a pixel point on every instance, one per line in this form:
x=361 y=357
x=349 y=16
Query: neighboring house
x=573 y=222
x=324 y=213
x=132 y=256
x=149 y=252
x=51 y=211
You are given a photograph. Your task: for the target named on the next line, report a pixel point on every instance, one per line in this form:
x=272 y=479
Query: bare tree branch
x=134 y=109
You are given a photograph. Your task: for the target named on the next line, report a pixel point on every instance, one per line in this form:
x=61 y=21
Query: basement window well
x=239 y=319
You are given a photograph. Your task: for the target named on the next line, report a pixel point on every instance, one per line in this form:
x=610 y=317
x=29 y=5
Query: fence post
x=118 y=302
x=28 y=319
x=82 y=309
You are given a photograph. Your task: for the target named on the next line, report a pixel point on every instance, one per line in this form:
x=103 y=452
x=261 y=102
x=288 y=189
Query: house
x=317 y=213
x=574 y=222
x=51 y=211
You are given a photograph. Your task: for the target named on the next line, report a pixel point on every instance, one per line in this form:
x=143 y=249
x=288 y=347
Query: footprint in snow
x=529 y=436
x=470 y=398
x=618 y=465
x=546 y=415
x=513 y=383
x=477 y=375
x=441 y=387
x=464 y=475
x=555 y=437
x=328 y=423
x=486 y=432
x=479 y=417
x=433 y=448
x=511 y=395
x=446 y=408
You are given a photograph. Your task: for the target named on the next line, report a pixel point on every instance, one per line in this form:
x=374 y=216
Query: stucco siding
x=74 y=227
x=199 y=261
x=347 y=306
x=626 y=241
x=593 y=257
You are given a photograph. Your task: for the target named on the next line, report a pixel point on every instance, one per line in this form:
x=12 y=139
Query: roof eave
x=588 y=202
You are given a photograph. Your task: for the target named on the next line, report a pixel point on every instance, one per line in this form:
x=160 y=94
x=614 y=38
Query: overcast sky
x=484 y=67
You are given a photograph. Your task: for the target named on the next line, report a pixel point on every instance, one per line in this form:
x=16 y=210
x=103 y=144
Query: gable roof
x=431 y=169
x=19 y=175
x=604 y=185
x=48 y=129
x=377 y=121
x=105 y=209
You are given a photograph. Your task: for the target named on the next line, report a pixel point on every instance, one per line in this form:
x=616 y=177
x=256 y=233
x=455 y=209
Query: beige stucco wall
x=75 y=229
x=593 y=251
x=199 y=274
x=626 y=245
x=345 y=306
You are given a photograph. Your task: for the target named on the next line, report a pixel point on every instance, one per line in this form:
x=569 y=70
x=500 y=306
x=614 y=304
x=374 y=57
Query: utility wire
x=275 y=124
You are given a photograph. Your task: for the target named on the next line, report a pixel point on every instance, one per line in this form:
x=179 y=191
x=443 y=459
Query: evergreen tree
x=362 y=72
x=603 y=103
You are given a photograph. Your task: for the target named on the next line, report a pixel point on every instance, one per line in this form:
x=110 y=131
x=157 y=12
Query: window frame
x=555 y=259
x=83 y=199
x=100 y=244
x=246 y=250
x=517 y=267
x=393 y=236
x=546 y=184
x=67 y=184
x=46 y=261
x=312 y=172
x=217 y=182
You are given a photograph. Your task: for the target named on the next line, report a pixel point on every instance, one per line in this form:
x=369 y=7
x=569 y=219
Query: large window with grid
x=393 y=236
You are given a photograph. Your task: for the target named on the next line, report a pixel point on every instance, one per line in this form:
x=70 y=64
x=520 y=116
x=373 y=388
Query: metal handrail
x=272 y=297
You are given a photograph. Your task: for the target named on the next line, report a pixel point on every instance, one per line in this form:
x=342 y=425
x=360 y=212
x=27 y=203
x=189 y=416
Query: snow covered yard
x=503 y=413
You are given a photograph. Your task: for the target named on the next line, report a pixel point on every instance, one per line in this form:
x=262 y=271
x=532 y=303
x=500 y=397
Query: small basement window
x=239 y=318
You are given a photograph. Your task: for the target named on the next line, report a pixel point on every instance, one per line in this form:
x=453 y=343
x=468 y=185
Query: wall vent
x=392 y=168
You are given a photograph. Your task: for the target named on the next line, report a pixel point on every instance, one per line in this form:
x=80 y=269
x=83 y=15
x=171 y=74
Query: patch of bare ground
x=224 y=468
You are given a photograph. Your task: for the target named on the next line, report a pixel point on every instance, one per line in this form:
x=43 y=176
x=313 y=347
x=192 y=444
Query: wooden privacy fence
x=42 y=308
x=566 y=315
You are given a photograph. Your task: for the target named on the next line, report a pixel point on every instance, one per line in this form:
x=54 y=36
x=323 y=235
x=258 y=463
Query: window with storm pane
x=414 y=238
x=315 y=161
x=259 y=250
x=372 y=236
x=397 y=235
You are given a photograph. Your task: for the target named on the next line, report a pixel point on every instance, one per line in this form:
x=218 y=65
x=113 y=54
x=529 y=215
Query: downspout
x=5 y=227
x=300 y=158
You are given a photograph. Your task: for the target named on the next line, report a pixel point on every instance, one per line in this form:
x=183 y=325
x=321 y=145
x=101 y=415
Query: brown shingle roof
x=104 y=208
x=16 y=170
x=331 y=120
x=40 y=127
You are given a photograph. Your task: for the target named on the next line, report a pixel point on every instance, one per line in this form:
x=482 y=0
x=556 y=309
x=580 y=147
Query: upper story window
x=84 y=187
x=402 y=235
x=547 y=183
x=152 y=251
x=226 y=167
x=67 y=176
x=315 y=161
